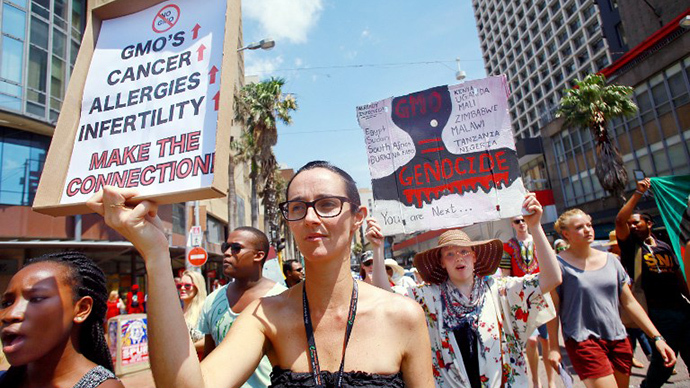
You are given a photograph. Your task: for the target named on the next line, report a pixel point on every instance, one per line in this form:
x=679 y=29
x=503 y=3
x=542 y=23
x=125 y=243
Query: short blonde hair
x=191 y=316
x=563 y=219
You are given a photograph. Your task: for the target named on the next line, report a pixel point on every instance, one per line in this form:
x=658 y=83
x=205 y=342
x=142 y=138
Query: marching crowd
x=475 y=318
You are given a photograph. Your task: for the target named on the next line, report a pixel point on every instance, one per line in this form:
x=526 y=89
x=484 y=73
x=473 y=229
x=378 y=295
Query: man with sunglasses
x=293 y=271
x=519 y=259
x=245 y=252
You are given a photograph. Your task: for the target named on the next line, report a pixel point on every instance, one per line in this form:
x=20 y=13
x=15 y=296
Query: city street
x=144 y=379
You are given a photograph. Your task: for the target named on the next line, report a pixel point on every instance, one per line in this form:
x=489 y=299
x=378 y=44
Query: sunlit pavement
x=144 y=379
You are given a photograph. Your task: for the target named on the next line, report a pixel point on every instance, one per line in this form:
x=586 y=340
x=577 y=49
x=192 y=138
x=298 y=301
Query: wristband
x=639 y=192
x=659 y=338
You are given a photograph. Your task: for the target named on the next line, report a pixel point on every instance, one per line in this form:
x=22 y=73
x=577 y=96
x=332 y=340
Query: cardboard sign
x=442 y=157
x=151 y=114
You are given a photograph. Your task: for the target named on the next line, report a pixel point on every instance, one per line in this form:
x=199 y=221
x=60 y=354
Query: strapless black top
x=285 y=378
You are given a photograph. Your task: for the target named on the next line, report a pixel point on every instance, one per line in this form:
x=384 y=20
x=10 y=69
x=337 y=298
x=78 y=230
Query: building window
x=179 y=220
x=22 y=155
x=215 y=230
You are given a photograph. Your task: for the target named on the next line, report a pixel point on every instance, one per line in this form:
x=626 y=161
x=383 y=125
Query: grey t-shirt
x=590 y=300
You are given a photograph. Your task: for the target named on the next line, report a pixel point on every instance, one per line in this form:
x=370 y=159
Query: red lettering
x=501 y=161
x=417 y=174
x=114 y=158
x=435 y=101
x=428 y=168
x=419 y=100
x=71 y=191
x=449 y=164
x=403 y=180
x=98 y=161
x=88 y=184
x=403 y=112
x=457 y=166
x=186 y=162
x=144 y=179
x=471 y=160
x=482 y=167
x=133 y=177
x=193 y=141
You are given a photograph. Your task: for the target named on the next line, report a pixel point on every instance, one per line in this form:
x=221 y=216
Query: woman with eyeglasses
x=595 y=288
x=192 y=291
x=479 y=324
x=327 y=331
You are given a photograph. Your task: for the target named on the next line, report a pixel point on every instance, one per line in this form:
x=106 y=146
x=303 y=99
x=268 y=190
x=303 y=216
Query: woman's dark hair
x=86 y=279
x=351 y=191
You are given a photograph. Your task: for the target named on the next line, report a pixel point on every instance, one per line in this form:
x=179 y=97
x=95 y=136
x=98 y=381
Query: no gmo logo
x=166 y=18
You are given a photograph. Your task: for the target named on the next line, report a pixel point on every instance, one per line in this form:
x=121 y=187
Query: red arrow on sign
x=216 y=98
x=200 y=50
x=195 y=30
x=213 y=72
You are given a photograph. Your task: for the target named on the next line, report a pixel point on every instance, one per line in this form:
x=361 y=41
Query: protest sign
x=443 y=157
x=145 y=108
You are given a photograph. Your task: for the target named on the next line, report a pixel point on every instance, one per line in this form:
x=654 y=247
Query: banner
x=672 y=197
x=150 y=103
x=443 y=157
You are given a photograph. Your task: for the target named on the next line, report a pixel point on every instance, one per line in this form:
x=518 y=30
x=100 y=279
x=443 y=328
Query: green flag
x=671 y=194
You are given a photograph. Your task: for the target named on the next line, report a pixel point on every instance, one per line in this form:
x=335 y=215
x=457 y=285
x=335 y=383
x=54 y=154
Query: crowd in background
x=477 y=310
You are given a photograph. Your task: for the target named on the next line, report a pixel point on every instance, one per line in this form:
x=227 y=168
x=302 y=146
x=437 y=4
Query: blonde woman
x=192 y=290
x=594 y=287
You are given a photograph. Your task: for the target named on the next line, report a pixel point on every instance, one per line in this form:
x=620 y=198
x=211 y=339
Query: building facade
x=544 y=45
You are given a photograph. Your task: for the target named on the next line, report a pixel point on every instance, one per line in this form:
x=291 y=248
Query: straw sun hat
x=488 y=254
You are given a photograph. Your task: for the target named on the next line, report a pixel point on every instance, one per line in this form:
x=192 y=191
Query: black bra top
x=285 y=378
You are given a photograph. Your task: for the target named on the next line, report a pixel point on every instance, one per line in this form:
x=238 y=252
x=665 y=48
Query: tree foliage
x=259 y=106
x=592 y=104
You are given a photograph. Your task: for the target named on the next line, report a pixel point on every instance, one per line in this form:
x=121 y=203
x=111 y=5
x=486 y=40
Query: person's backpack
x=135 y=299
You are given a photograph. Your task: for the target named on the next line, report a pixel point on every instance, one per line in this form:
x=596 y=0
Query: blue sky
x=336 y=55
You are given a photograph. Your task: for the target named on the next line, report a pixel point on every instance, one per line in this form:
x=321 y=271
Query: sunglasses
x=367 y=263
x=235 y=248
x=518 y=222
x=186 y=286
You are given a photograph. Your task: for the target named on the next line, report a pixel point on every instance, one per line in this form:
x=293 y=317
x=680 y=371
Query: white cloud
x=366 y=33
x=262 y=66
x=298 y=62
x=284 y=19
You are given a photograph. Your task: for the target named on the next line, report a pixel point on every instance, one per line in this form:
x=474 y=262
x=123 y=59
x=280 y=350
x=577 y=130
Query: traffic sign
x=197 y=256
x=195 y=236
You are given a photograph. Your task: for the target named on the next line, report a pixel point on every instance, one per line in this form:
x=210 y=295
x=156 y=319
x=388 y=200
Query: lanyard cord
x=313 y=355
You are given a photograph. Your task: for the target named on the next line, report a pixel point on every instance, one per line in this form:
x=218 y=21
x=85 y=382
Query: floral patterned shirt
x=513 y=308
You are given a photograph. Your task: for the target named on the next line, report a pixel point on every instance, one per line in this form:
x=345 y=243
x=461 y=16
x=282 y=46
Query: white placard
x=150 y=105
x=443 y=157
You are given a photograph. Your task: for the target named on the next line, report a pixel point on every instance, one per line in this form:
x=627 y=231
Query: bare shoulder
x=404 y=310
x=111 y=383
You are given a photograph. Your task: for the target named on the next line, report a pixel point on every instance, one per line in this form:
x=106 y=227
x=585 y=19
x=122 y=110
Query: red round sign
x=166 y=18
x=197 y=256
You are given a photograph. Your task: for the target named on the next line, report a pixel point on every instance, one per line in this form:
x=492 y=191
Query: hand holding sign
x=137 y=223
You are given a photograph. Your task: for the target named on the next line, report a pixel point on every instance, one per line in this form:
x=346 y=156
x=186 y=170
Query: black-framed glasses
x=326 y=207
x=518 y=221
x=234 y=247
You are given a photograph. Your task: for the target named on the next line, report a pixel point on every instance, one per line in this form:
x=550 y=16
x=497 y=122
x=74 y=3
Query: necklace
x=308 y=327
x=457 y=307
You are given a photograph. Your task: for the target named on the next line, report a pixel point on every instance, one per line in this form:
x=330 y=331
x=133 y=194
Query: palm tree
x=591 y=104
x=258 y=106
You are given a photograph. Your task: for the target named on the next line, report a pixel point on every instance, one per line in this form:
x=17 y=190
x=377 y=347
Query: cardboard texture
x=51 y=185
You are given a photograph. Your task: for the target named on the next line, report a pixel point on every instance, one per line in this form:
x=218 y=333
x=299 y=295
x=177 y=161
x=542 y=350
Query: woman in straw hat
x=479 y=324
x=595 y=286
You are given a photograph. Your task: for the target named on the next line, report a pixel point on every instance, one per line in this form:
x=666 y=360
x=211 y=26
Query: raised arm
x=622 y=228
x=174 y=362
x=375 y=236
x=549 y=272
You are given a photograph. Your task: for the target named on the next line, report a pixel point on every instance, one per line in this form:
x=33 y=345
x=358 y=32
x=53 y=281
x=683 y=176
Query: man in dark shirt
x=653 y=262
